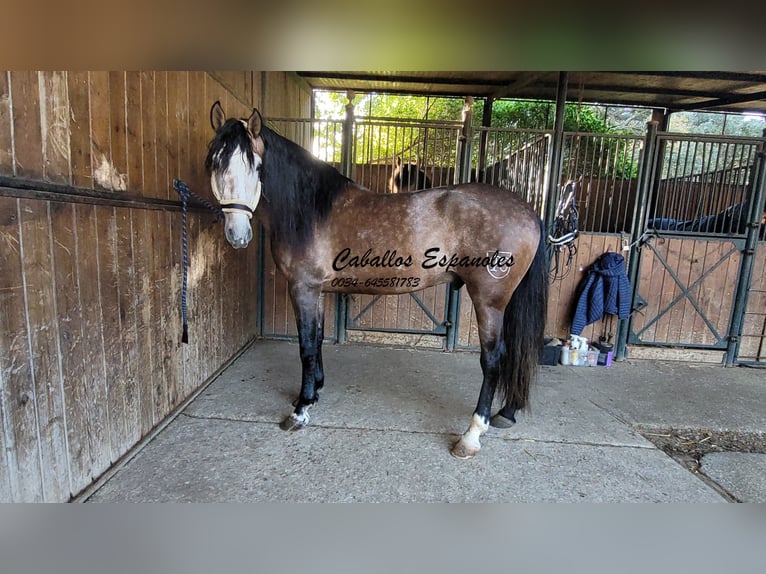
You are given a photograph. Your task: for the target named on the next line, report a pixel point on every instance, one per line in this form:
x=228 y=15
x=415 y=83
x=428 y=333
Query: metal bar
x=452 y=312
x=748 y=258
x=643 y=194
x=552 y=194
x=346 y=155
x=29 y=189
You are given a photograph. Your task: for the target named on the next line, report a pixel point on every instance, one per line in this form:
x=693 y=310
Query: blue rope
x=185 y=193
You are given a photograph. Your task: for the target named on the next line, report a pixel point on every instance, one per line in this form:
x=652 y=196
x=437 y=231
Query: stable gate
x=698 y=212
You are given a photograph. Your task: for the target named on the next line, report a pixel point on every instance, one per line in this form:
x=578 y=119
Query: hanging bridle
x=564 y=232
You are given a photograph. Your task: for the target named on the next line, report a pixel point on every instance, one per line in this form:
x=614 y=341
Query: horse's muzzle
x=237 y=239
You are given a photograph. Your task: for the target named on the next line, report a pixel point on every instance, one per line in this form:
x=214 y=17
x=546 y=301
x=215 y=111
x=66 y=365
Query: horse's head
x=234 y=161
x=407 y=177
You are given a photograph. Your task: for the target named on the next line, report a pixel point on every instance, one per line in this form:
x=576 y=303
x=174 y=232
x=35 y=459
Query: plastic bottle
x=565 y=359
x=574 y=356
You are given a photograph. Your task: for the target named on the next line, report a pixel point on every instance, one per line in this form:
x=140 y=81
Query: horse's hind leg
x=490 y=323
x=307 y=305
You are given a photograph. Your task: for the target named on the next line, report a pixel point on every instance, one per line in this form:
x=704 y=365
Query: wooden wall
x=753 y=342
x=90 y=263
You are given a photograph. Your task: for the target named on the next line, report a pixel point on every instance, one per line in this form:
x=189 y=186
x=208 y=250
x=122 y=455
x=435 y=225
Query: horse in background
x=408 y=177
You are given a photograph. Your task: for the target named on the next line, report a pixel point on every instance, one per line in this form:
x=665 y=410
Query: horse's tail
x=524 y=330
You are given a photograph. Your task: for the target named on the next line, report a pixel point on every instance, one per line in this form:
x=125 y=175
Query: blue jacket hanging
x=606 y=290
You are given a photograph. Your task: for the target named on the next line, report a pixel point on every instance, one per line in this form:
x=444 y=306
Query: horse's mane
x=298 y=188
x=230 y=136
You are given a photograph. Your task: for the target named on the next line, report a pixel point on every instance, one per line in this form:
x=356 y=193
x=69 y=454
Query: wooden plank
x=21 y=425
x=165 y=154
x=71 y=343
x=753 y=341
x=93 y=368
x=703 y=255
x=135 y=133
x=28 y=154
x=119 y=129
x=171 y=294
x=111 y=328
x=105 y=175
x=55 y=126
x=40 y=289
x=191 y=351
x=201 y=291
x=131 y=358
x=687 y=268
x=6 y=140
x=157 y=281
x=181 y=120
x=143 y=301
x=171 y=223
x=149 y=130
x=200 y=133
x=79 y=136
x=184 y=129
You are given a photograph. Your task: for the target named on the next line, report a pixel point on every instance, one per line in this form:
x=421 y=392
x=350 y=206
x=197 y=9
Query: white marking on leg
x=301 y=419
x=470 y=439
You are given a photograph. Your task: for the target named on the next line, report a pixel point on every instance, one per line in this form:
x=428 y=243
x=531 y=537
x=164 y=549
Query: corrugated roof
x=675 y=91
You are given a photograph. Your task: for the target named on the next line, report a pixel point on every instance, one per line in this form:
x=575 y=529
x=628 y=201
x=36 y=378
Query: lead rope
x=185 y=193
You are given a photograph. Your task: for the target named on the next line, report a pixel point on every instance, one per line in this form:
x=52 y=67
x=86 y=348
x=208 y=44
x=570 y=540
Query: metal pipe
x=748 y=259
x=643 y=195
x=556 y=152
x=462 y=175
x=346 y=155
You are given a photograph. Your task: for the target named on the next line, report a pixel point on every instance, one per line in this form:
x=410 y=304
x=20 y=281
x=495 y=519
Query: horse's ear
x=254 y=123
x=217 y=116
x=398 y=161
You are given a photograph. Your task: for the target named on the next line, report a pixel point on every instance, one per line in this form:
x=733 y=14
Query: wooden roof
x=674 y=91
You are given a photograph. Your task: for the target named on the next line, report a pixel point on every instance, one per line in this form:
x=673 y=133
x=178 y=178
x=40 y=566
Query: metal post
x=556 y=152
x=755 y=213
x=462 y=175
x=643 y=195
x=486 y=121
x=346 y=166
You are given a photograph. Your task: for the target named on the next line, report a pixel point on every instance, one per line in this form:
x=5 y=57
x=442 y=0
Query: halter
x=237 y=205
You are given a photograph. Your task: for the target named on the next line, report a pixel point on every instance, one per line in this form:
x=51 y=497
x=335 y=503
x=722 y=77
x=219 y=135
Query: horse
x=329 y=234
x=407 y=177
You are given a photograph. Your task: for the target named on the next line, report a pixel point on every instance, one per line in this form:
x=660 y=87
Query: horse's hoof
x=500 y=422
x=293 y=423
x=463 y=451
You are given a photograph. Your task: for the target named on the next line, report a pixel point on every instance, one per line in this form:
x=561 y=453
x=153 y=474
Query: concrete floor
x=387 y=417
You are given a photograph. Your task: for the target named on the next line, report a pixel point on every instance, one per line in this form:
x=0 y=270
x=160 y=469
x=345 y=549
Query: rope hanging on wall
x=183 y=190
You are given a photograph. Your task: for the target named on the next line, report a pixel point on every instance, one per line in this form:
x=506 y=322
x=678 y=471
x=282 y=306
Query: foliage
x=606 y=153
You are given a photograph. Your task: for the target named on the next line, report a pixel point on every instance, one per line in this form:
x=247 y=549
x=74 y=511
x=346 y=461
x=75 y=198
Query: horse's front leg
x=307 y=304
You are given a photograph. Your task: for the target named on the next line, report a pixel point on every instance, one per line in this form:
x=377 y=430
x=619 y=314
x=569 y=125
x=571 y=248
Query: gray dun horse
x=330 y=235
